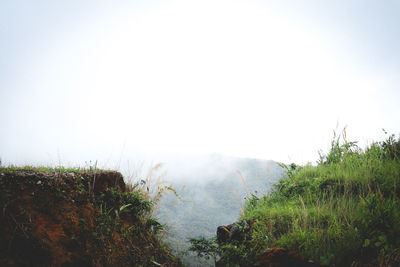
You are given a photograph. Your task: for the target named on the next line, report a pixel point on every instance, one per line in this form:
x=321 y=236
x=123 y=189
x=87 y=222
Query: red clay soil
x=48 y=218
x=280 y=257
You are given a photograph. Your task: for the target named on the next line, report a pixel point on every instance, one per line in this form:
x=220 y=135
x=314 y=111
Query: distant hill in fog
x=212 y=191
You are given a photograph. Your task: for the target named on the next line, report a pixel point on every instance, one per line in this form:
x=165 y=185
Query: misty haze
x=199 y=133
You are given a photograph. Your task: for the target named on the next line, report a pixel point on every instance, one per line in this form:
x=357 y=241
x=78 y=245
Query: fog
x=213 y=90
x=162 y=81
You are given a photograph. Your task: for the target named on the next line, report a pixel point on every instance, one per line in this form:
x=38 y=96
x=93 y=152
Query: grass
x=343 y=212
x=13 y=168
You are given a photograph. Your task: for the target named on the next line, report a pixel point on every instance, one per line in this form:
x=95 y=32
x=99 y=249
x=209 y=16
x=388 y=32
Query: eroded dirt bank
x=76 y=218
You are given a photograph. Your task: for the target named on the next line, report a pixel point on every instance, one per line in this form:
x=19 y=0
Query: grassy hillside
x=343 y=212
x=59 y=217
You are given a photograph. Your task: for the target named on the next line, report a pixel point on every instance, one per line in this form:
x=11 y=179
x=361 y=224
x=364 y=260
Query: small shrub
x=133 y=203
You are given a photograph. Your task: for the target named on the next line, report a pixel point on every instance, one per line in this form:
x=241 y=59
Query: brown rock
x=108 y=179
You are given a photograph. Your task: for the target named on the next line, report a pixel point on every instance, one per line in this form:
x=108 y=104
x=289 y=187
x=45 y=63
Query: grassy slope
x=343 y=212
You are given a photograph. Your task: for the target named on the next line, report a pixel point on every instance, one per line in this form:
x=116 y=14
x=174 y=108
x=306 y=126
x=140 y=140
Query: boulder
x=232 y=232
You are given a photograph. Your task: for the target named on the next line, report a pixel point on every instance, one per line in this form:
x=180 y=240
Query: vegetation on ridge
x=343 y=212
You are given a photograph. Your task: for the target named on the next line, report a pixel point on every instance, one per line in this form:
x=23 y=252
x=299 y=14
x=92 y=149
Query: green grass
x=13 y=168
x=343 y=212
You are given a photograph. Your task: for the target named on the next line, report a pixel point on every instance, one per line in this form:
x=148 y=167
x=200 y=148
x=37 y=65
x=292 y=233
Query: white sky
x=101 y=80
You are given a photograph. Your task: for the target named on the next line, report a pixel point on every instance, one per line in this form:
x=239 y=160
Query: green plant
x=133 y=203
x=204 y=247
x=154 y=225
x=344 y=211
